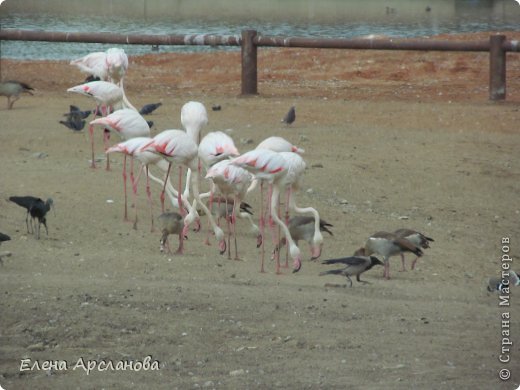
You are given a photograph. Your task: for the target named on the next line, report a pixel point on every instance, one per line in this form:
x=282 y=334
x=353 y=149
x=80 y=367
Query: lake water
x=306 y=18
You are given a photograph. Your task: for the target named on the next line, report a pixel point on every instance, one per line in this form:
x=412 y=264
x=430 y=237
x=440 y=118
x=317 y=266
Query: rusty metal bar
x=133 y=39
x=371 y=44
x=250 y=40
x=497 y=67
x=249 y=63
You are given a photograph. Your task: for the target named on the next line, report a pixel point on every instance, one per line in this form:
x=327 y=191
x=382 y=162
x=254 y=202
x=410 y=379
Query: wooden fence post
x=497 y=67
x=249 y=63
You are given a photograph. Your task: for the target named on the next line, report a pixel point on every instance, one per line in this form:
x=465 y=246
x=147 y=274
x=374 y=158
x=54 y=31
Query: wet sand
x=391 y=140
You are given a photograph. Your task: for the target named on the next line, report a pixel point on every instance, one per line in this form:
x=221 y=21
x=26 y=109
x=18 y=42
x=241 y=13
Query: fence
x=250 y=41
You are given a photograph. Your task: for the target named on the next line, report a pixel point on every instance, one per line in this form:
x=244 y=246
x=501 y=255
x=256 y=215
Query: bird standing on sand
x=171 y=223
x=355 y=265
x=149 y=108
x=387 y=245
x=416 y=238
x=290 y=117
x=12 y=89
x=302 y=227
x=36 y=208
x=499 y=284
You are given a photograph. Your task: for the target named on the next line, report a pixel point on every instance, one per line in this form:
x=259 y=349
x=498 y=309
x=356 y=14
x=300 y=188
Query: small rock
x=343 y=201
x=403 y=217
x=246 y=141
x=310 y=191
x=39 y=155
x=318 y=165
x=237 y=372
x=303 y=138
x=36 y=347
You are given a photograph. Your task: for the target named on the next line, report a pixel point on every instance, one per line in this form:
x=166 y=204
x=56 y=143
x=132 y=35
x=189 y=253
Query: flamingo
x=193 y=117
x=279 y=144
x=233 y=181
x=214 y=147
x=93 y=64
x=106 y=95
x=117 y=65
x=177 y=146
x=135 y=147
x=292 y=182
x=127 y=123
x=271 y=167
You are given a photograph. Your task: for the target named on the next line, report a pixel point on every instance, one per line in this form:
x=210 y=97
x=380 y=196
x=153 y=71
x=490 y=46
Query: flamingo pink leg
x=149 y=194
x=233 y=224
x=124 y=187
x=91 y=133
x=261 y=222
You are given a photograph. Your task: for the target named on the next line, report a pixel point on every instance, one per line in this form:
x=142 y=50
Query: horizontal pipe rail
x=121 y=39
x=497 y=47
x=259 y=40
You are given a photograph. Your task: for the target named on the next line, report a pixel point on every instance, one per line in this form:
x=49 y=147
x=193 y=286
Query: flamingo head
x=296 y=255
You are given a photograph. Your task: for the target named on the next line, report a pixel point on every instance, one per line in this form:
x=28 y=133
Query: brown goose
x=302 y=228
x=171 y=223
x=355 y=265
x=387 y=245
x=12 y=90
x=416 y=238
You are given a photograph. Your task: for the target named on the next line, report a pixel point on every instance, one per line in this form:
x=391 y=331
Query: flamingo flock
x=210 y=160
x=274 y=168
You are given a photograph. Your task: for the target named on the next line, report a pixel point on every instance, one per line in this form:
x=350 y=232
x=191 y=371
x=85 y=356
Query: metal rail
x=250 y=40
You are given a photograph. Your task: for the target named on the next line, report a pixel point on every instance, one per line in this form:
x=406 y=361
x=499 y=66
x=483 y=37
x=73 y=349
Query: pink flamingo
x=135 y=147
x=127 y=123
x=177 y=146
x=193 y=117
x=271 y=167
x=279 y=144
x=116 y=65
x=93 y=64
x=233 y=181
x=292 y=183
x=214 y=147
x=106 y=95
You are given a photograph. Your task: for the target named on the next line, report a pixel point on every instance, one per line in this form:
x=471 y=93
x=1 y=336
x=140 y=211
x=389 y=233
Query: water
x=306 y=18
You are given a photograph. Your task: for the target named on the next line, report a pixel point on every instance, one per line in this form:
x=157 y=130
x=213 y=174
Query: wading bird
x=12 y=90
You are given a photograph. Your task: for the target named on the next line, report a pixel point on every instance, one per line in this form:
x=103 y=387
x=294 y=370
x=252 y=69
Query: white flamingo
x=127 y=124
x=134 y=147
x=177 y=146
x=232 y=180
x=271 y=167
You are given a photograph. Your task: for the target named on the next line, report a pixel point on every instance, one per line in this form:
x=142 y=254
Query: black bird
x=91 y=78
x=76 y=111
x=149 y=108
x=74 y=123
x=355 y=265
x=290 y=117
x=36 y=208
x=4 y=237
x=75 y=118
x=216 y=107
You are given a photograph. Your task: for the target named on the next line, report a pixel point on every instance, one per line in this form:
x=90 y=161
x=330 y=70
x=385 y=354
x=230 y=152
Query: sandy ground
x=392 y=140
